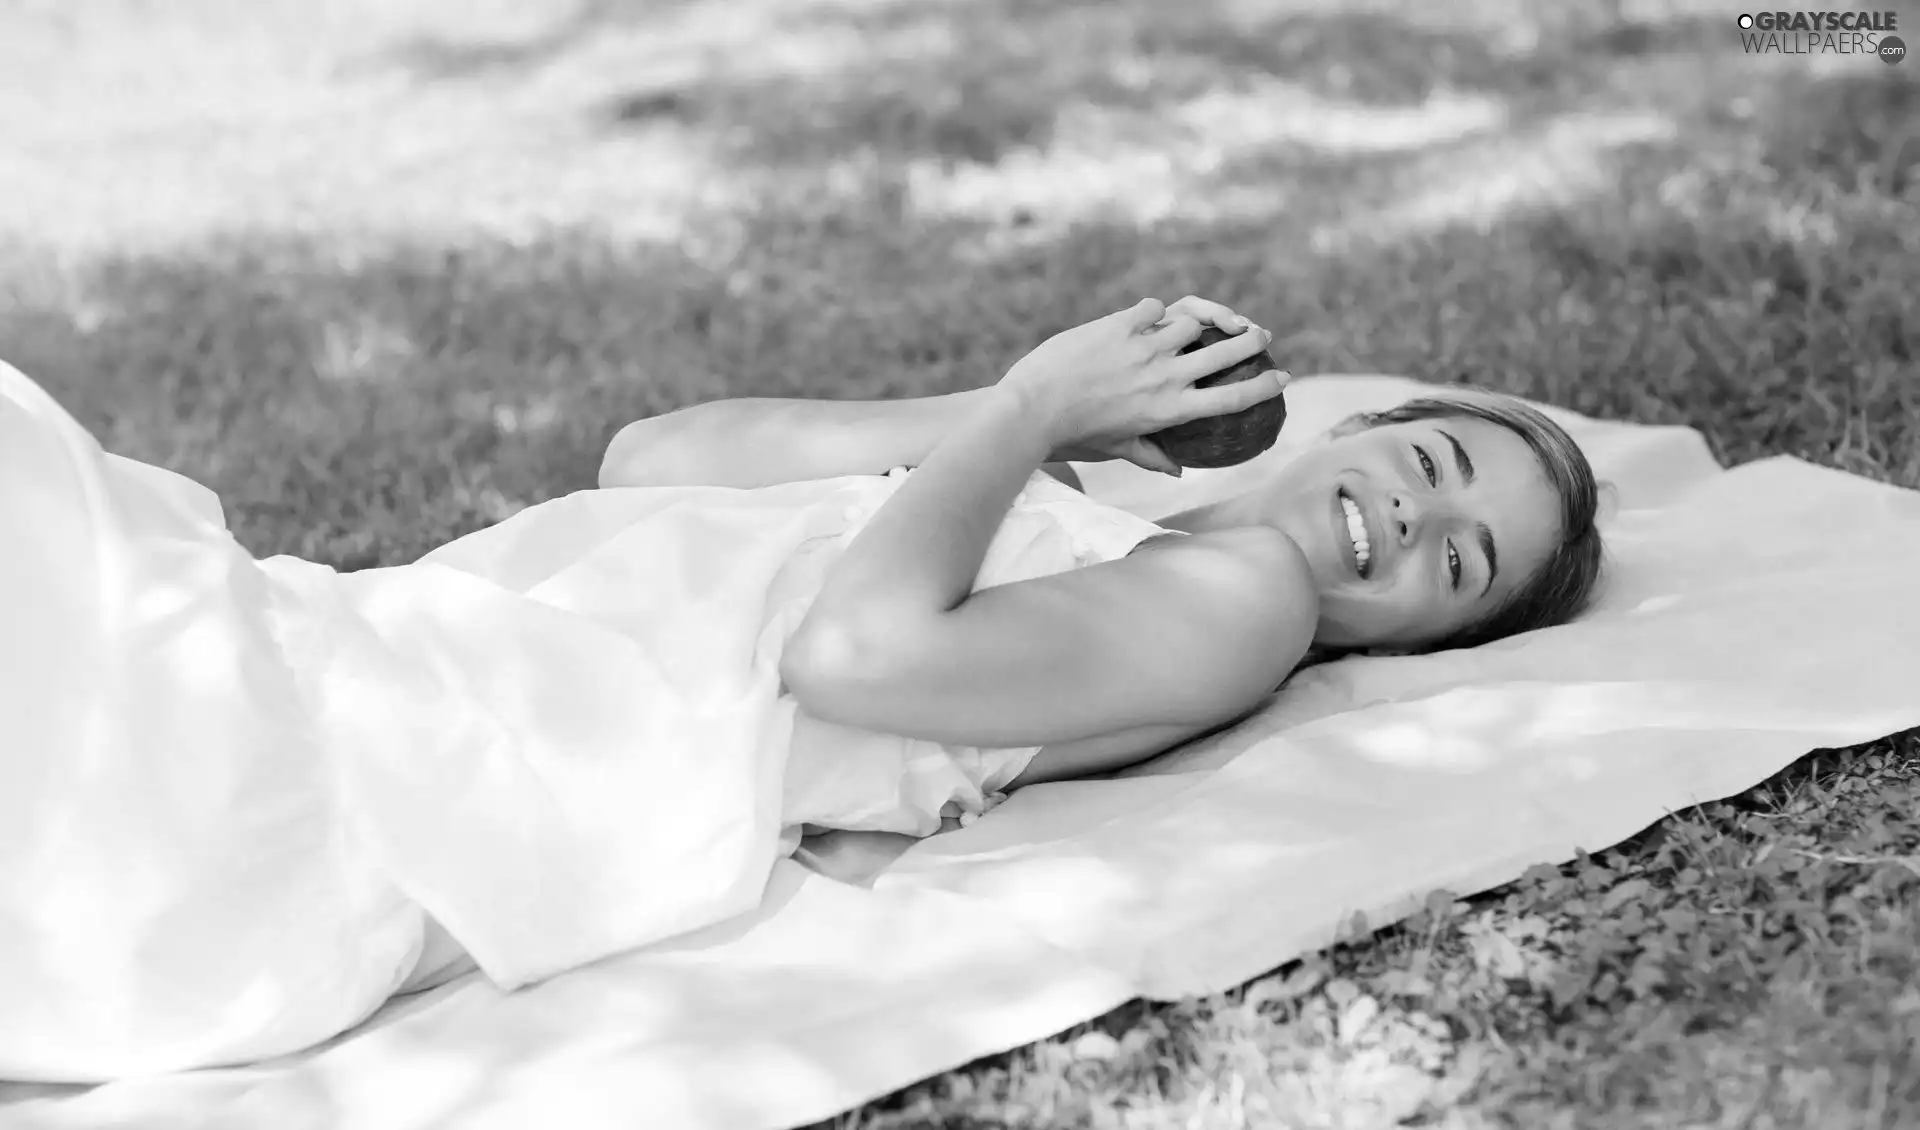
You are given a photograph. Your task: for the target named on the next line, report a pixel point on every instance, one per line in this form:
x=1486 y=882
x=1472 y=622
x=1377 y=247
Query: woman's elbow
x=628 y=454
x=830 y=670
x=656 y=451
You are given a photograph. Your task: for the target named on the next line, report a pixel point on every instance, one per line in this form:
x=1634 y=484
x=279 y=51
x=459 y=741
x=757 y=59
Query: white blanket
x=1752 y=615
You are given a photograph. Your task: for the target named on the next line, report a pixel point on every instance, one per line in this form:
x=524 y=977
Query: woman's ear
x=1608 y=500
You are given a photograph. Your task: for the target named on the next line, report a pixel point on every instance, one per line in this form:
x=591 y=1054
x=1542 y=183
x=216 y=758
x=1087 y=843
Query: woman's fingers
x=1210 y=313
x=1143 y=315
x=1226 y=399
x=1175 y=332
x=1143 y=452
x=1222 y=354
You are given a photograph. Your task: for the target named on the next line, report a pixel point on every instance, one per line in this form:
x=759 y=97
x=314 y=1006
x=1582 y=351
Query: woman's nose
x=1405 y=515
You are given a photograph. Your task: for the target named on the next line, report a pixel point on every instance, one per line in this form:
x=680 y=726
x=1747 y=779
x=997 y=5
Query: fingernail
x=1241 y=321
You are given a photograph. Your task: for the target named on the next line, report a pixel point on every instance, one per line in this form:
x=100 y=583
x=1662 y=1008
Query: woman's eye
x=1426 y=464
x=1453 y=564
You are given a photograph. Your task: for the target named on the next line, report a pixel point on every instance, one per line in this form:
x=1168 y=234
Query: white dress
x=233 y=790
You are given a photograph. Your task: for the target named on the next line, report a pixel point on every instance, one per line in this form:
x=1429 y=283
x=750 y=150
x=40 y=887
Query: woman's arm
x=761 y=441
x=1102 y=666
x=1188 y=635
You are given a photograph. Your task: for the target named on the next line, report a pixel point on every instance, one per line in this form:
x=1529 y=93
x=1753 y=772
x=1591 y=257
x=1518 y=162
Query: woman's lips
x=1343 y=534
x=1371 y=526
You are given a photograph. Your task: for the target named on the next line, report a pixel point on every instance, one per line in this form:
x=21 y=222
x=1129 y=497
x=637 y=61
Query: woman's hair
x=1562 y=586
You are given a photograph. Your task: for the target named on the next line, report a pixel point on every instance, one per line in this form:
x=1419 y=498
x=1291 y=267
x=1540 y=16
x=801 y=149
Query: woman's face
x=1416 y=530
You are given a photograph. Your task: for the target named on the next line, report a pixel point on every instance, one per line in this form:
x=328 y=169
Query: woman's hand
x=1099 y=388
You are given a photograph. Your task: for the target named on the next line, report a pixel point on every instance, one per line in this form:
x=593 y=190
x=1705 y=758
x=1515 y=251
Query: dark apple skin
x=1224 y=441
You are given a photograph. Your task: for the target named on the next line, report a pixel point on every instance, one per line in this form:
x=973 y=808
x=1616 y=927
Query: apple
x=1223 y=441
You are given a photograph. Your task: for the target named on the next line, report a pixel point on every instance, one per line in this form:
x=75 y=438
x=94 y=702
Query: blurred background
x=382 y=271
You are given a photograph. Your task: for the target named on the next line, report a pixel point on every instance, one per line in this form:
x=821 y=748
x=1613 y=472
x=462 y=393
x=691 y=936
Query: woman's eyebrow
x=1460 y=459
x=1481 y=532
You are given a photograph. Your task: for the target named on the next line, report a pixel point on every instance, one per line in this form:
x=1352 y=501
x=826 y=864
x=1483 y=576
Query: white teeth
x=1357 y=530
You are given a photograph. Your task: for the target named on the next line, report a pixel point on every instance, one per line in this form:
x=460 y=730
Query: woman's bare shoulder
x=1264 y=549
x=1248 y=584
x=1246 y=616
x=1255 y=568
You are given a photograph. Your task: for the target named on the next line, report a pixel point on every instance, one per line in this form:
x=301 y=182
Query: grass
x=381 y=274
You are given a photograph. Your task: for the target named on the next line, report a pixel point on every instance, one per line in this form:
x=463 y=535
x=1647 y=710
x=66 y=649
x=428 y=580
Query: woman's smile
x=1355 y=532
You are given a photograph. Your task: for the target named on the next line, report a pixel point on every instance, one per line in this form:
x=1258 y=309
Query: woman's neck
x=1246 y=508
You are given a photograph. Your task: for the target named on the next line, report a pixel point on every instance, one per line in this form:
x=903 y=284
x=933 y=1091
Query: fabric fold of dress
x=234 y=789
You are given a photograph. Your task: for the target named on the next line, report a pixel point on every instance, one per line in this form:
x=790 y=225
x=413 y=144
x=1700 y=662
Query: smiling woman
x=1447 y=521
x=244 y=801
